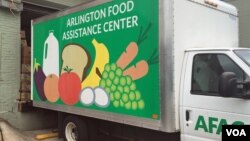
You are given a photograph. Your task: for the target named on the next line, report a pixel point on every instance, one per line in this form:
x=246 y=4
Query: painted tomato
x=69 y=88
x=51 y=88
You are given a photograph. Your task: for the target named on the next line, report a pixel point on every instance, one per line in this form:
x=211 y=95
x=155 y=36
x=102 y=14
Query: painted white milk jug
x=51 y=55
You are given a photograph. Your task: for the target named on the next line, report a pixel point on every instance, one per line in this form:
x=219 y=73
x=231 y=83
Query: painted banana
x=101 y=59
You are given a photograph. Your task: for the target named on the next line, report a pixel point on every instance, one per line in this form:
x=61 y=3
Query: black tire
x=74 y=129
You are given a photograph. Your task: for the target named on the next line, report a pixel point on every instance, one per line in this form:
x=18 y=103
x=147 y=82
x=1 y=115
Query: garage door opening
x=30 y=11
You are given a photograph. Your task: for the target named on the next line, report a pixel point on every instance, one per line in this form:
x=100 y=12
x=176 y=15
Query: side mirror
x=228 y=84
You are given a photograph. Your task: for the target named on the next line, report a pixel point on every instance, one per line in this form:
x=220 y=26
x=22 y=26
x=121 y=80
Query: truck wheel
x=75 y=129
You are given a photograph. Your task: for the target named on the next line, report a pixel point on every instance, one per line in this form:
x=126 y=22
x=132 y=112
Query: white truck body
x=187 y=28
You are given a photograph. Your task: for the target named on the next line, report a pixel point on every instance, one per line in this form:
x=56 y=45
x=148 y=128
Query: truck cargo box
x=121 y=60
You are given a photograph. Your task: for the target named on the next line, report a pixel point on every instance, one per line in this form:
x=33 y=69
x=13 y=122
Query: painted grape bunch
x=121 y=89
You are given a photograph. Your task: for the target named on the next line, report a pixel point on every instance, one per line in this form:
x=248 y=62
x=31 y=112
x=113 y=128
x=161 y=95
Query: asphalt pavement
x=9 y=133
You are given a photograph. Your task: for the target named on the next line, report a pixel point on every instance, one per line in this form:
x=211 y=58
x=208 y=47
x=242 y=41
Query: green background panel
x=116 y=42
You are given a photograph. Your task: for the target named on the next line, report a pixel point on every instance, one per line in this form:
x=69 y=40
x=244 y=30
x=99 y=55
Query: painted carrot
x=137 y=71
x=128 y=55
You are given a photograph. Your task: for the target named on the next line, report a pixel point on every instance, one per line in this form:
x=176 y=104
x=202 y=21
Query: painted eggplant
x=39 y=78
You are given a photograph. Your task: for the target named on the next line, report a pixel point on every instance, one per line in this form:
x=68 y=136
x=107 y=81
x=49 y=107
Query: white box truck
x=145 y=70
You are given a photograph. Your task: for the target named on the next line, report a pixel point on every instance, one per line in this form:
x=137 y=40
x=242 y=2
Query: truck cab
x=215 y=92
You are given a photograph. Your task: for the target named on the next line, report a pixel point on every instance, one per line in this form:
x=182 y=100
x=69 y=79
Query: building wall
x=10 y=53
x=9 y=63
x=244 y=22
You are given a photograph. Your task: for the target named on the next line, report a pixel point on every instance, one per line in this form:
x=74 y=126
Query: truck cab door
x=203 y=109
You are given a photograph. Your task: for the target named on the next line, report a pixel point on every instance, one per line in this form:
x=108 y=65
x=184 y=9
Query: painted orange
x=51 y=90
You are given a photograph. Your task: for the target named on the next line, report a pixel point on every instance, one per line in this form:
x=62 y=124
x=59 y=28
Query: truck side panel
x=101 y=62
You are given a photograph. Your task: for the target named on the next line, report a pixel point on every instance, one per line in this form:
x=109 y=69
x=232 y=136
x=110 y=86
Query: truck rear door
x=203 y=109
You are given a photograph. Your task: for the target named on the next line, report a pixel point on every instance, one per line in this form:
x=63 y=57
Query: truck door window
x=206 y=72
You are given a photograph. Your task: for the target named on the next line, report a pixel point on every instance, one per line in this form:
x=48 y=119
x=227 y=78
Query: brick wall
x=10 y=50
x=9 y=63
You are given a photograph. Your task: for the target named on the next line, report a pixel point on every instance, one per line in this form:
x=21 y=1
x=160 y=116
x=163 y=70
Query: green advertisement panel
x=104 y=58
